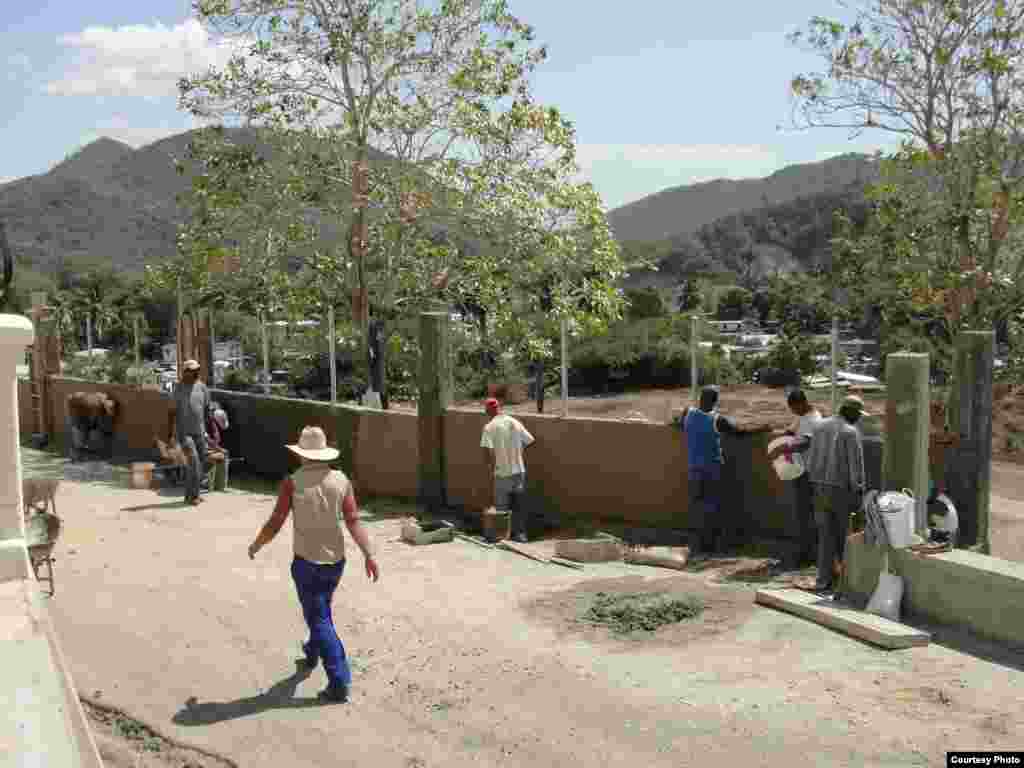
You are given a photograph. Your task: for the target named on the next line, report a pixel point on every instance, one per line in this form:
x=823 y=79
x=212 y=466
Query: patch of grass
x=630 y=612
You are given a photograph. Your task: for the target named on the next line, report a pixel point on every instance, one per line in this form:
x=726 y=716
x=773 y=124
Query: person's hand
x=372 y=571
x=253 y=549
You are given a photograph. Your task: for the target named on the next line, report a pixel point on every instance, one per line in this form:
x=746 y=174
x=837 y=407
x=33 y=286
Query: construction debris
x=596 y=550
x=660 y=557
x=412 y=533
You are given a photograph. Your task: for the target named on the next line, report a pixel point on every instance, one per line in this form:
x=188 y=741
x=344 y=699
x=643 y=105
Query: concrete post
x=434 y=397
x=970 y=416
x=16 y=333
x=907 y=425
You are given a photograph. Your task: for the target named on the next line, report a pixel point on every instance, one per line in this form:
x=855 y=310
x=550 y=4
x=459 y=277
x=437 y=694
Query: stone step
x=876 y=630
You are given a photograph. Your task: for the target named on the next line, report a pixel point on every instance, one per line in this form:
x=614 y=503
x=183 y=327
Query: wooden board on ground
x=874 y=629
x=589 y=550
x=519 y=549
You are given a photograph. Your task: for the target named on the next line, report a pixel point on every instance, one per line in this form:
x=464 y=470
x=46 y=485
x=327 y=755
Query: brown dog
x=38 y=489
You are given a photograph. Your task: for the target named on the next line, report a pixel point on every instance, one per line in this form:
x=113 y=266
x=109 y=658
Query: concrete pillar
x=907 y=423
x=16 y=333
x=970 y=416
x=435 y=392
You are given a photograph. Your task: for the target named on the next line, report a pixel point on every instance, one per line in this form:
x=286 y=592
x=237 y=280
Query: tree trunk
x=375 y=349
x=540 y=385
x=357 y=250
x=88 y=334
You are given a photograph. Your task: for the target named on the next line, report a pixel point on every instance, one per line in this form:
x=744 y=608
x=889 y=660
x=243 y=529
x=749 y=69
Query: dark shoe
x=311 y=658
x=827 y=589
x=521 y=538
x=334 y=694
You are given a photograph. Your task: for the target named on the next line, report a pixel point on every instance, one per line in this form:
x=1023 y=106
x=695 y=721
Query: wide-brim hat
x=854 y=402
x=312 y=445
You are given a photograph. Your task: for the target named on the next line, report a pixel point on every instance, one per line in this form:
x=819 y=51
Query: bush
x=238 y=380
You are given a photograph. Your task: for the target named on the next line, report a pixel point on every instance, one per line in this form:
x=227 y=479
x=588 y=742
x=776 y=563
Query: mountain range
x=109 y=202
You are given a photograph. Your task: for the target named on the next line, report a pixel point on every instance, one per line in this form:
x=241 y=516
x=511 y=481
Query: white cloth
x=805 y=424
x=949 y=522
x=507 y=438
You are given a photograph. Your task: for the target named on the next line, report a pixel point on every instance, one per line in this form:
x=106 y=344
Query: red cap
x=492 y=404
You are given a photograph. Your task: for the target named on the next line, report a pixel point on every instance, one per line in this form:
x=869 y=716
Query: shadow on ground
x=281 y=695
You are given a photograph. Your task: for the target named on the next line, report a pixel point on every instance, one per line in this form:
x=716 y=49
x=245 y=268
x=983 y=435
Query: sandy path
x=465 y=656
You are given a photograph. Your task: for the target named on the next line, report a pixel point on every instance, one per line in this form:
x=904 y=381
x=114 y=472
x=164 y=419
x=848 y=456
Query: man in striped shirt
x=835 y=464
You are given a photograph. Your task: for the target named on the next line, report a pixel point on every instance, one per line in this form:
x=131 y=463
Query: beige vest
x=317 y=519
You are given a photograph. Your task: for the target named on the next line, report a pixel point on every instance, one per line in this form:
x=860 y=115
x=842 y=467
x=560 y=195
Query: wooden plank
x=865 y=626
x=566 y=563
x=464 y=537
x=521 y=551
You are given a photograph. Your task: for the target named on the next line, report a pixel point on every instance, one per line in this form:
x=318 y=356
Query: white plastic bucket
x=786 y=467
x=898 y=515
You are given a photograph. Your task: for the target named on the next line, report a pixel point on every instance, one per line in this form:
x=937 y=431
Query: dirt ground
x=465 y=656
x=752 y=405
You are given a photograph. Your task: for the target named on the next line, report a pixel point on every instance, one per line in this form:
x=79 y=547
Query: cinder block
x=589 y=550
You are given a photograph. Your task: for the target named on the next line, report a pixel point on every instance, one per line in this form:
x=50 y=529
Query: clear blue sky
x=662 y=92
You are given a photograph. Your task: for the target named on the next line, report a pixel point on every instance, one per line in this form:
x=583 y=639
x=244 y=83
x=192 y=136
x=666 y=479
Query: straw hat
x=312 y=445
x=854 y=403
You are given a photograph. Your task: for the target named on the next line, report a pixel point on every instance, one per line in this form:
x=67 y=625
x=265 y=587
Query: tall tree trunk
x=378 y=371
x=540 y=385
x=357 y=250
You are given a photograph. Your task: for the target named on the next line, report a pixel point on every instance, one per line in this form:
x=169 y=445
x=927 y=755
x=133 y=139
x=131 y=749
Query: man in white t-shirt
x=807 y=418
x=502 y=442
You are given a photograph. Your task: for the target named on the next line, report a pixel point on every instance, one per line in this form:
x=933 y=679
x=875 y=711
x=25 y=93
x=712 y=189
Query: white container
x=786 y=467
x=898 y=515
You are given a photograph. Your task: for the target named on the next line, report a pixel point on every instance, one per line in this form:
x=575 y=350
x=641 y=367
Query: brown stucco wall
x=599 y=468
x=584 y=469
x=387 y=452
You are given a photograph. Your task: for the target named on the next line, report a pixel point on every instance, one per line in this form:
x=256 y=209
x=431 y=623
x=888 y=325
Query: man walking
x=835 y=463
x=807 y=418
x=502 y=442
x=704 y=427
x=192 y=401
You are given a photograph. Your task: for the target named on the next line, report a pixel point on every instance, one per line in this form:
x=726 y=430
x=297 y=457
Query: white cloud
x=137 y=60
x=122 y=128
x=19 y=66
x=626 y=172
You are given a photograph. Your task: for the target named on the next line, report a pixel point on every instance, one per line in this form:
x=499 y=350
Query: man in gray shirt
x=835 y=464
x=191 y=402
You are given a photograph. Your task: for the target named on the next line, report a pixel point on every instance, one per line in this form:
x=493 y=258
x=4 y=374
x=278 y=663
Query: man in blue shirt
x=704 y=428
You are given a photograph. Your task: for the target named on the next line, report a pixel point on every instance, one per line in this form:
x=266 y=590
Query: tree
x=734 y=303
x=946 y=78
x=644 y=303
x=442 y=88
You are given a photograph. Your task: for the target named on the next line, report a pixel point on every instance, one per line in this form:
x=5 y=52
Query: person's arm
x=728 y=427
x=277 y=518
x=525 y=436
x=854 y=451
x=350 y=509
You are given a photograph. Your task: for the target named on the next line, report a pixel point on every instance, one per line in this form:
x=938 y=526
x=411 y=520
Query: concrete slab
x=36 y=727
x=874 y=629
